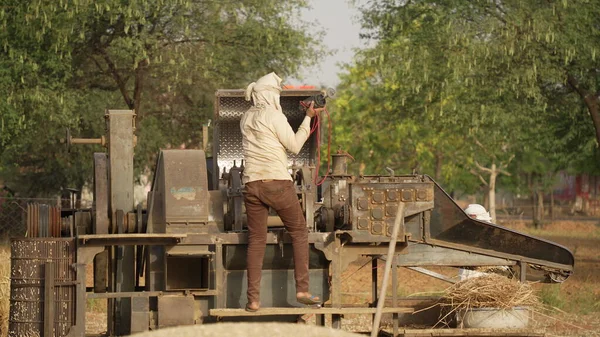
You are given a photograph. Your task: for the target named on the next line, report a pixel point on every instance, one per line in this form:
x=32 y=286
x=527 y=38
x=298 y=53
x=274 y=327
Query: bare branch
x=97 y=64
x=575 y=85
x=504 y=172
x=137 y=91
x=505 y=165
x=481 y=168
x=483 y=148
x=479 y=176
x=112 y=70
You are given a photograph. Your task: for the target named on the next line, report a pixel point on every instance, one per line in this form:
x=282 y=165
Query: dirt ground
x=576 y=302
x=572 y=308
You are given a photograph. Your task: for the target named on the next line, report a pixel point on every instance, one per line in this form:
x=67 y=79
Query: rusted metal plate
x=121 y=125
x=28 y=280
x=277 y=287
x=175 y=310
x=101 y=272
x=451 y=227
x=121 y=159
x=140 y=314
x=374 y=204
x=185 y=186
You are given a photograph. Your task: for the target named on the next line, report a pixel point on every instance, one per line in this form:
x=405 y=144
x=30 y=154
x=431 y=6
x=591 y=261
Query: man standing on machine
x=266 y=137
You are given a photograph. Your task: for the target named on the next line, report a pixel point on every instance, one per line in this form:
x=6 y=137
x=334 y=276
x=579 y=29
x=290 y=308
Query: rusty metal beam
x=198 y=239
x=219 y=277
x=304 y=311
x=494 y=253
x=395 y=316
x=49 y=299
x=132 y=294
x=421 y=255
x=129 y=239
x=121 y=127
x=432 y=274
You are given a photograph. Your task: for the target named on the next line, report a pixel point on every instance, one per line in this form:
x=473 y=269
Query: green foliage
x=451 y=86
x=64 y=62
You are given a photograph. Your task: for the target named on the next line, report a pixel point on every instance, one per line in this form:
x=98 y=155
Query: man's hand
x=311 y=112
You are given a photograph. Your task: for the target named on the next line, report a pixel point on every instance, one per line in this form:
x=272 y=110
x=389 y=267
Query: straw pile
x=490 y=291
x=4 y=288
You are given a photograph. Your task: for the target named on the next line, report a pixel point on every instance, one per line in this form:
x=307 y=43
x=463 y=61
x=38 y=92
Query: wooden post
x=523 y=271
x=388 y=265
x=374 y=266
x=395 y=316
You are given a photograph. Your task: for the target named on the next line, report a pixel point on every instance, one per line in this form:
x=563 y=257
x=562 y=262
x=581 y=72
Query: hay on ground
x=490 y=291
x=487 y=291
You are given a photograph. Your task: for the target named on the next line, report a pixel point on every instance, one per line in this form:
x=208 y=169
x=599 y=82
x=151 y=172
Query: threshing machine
x=180 y=259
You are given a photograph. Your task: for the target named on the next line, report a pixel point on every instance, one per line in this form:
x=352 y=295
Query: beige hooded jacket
x=267 y=134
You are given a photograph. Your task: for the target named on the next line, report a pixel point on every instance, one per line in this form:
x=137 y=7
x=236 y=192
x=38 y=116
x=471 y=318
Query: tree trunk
x=138 y=88
x=492 y=192
x=552 y=206
x=534 y=209
x=540 y=207
x=438 y=166
x=486 y=197
x=591 y=101
x=533 y=198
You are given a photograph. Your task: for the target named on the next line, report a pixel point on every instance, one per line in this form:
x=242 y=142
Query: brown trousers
x=281 y=196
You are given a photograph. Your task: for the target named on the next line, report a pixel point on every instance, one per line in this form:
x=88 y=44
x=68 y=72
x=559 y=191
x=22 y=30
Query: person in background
x=267 y=136
x=478 y=212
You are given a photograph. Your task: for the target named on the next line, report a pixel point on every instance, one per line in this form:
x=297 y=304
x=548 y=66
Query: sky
x=339 y=20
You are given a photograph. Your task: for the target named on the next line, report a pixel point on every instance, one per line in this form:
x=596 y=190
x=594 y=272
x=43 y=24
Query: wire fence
x=13 y=214
x=569 y=210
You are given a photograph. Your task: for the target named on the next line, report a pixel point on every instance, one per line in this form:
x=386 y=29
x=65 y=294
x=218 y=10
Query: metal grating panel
x=230 y=110
x=28 y=258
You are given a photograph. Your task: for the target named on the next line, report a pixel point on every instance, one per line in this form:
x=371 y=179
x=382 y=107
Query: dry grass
x=489 y=291
x=4 y=288
x=574 y=305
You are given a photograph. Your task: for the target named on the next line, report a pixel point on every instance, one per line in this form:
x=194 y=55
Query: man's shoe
x=251 y=309
x=309 y=300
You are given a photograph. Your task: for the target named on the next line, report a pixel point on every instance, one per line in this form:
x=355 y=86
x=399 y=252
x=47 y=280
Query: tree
x=165 y=58
x=483 y=71
x=539 y=46
x=406 y=123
